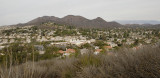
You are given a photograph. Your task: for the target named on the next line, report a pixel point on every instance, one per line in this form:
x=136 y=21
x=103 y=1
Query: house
x=70 y=51
x=59 y=43
x=129 y=42
x=2 y=54
x=12 y=40
x=5 y=41
x=107 y=47
x=40 y=48
x=148 y=41
x=96 y=47
x=58 y=38
x=112 y=44
x=61 y=51
x=67 y=52
x=1 y=47
x=78 y=42
x=97 y=51
x=28 y=40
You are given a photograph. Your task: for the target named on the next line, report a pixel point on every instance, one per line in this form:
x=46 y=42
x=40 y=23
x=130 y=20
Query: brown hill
x=77 y=21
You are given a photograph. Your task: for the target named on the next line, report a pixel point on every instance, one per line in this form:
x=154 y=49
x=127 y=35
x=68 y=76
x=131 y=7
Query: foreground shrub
x=143 y=63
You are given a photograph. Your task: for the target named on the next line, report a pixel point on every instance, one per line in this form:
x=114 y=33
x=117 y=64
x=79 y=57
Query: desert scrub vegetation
x=125 y=63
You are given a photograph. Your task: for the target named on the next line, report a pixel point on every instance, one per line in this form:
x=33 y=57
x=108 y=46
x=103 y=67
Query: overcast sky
x=21 y=11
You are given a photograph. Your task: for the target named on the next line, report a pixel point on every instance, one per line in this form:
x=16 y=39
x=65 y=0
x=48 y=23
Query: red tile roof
x=108 y=47
x=60 y=51
x=98 y=50
x=70 y=51
x=67 y=51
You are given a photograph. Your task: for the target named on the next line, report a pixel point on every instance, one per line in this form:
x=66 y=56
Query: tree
x=136 y=42
x=87 y=45
x=100 y=43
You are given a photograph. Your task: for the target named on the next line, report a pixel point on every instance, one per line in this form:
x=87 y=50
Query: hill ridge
x=78 y=21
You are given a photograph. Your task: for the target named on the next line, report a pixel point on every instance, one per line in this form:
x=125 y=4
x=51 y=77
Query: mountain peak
x=74 y=16
x=69 y=16
x=99 y=19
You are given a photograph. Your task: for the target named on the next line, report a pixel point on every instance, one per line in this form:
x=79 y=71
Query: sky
x=22 y=11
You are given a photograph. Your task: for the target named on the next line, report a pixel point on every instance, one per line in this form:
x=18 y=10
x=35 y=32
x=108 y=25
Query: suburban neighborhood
x=69 y=40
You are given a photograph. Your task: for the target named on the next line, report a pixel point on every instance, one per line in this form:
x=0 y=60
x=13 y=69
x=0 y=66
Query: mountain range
x=82 y=22
x=77 y=21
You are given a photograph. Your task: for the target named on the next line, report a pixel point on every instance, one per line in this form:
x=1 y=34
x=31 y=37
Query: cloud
x=19 y=11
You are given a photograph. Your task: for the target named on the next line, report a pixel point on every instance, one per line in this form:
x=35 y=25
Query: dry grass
x=144 y=63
